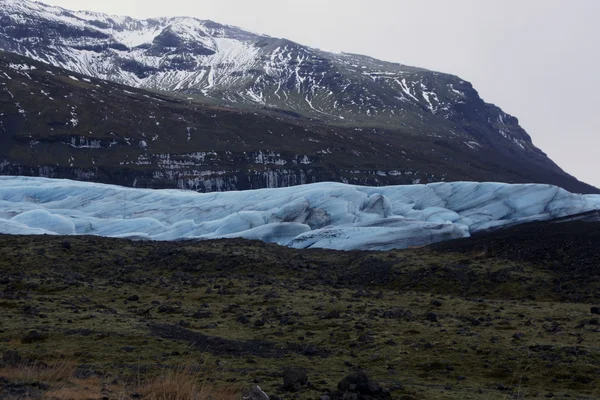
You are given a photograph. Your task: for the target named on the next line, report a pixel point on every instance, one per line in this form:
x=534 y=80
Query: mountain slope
x=387 y=118
x=222 y=63
x=59 y=124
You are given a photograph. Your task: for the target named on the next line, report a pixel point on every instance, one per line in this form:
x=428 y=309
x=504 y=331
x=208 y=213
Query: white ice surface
x=326 y=215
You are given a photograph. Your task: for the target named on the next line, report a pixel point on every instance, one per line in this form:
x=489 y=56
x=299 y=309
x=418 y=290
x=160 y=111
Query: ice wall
x=324 y=215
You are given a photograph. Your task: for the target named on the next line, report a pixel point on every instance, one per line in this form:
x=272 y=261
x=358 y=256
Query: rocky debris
x=358 y=386
x=294 y=379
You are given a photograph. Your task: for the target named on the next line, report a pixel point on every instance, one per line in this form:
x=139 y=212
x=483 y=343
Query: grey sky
x=536 y=59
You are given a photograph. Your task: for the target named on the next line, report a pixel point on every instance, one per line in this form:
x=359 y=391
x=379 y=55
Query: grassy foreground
x=501 y=317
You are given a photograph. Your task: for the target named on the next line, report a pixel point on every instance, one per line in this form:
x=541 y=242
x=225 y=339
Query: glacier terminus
x=322 y=215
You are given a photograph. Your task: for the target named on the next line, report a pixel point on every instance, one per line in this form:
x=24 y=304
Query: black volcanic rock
x=294 y=379
x=358 y=386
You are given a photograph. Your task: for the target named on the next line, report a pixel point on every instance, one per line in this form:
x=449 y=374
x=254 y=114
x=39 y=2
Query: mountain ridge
x=181 y=68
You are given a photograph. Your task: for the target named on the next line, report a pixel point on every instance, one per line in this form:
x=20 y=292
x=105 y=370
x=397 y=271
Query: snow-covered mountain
x=222 y=63
x=349 y=118
x=323 y=215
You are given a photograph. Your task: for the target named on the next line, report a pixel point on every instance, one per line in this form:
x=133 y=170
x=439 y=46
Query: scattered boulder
x=310 y=350
x=358 y=386
x=397 y=313
x=135 y=297
x=432 y=317
x=595 y=310
x=184 y=324
x=271 y=295
x=202 y=314
x=294 y=379
x=365 y=338
x=333 y=314
x=169 y=309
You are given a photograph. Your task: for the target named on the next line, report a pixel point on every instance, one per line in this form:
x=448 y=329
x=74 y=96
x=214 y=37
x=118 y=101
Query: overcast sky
x=536 y=59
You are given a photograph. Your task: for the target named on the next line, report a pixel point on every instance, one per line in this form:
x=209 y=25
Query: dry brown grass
x=183 y=384
x=59 y=371
x=59 y=376
x=77 y=389
x=177 y=384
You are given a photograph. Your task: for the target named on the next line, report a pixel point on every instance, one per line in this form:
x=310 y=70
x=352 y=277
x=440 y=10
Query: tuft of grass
x=55 y=381
x=79 y=389
x=183 y=384
x=60 y=381
x=28 y=372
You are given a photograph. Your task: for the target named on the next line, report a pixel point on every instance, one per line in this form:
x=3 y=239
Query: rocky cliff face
x=378 y=122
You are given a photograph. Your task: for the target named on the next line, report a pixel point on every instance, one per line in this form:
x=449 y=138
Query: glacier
x=321 y=215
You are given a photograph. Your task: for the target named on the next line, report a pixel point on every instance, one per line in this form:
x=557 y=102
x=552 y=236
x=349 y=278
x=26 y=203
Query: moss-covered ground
x=424 y=323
